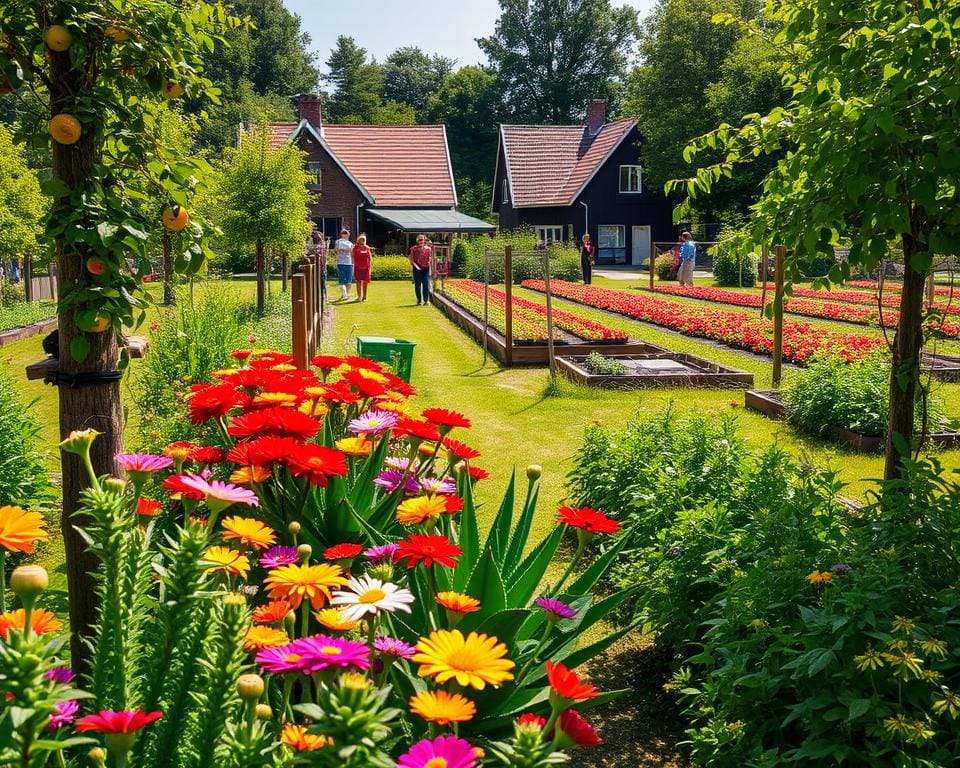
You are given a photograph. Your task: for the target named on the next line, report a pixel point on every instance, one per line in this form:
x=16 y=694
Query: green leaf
x=486 y=584
x=79 y=348
x=500 y=530
x=523 y=582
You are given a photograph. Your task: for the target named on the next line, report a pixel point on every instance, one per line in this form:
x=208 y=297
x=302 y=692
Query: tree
x=394 y=113
x=22 y=206
x=357 y=84
x=101 y=67
x=553 y=56
x=874 y=156
x=411 y=77
x=260 y=199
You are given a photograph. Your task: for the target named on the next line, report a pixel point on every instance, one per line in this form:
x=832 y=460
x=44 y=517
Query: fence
x=306 y=295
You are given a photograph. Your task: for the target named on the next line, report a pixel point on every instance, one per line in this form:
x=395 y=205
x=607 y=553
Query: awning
x=430 y=220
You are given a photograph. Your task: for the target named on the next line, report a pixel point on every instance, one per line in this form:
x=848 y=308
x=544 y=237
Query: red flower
x=264 y=451
x=528 y=718
x=240 y=354
x=362 y=362
x=476 y=473
x=364 y=384
x=175 y=485
x=342 y=551
x=398 y=385
x=567 y=685
x=588 y=519
x=270 y=359
x=205 y=454
x=326 y=362
x=108 y=721
x=317 y=463
x=460 y=450
x=444 y=418
x=248 y=378
x=418 y=430
x=147 y=507
x=285 y=422
x=340 y=392
x=210 y=401
x=178 y=450
x=453 y=504
x=428 y=549
x=578 y=729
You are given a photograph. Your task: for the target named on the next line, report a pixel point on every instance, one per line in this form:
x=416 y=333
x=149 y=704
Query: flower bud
x=293 y=527
x=97 y=756
x=250 y=687
x=460 y=467
x=79 y=441
x=304 y=551
x=28 y=581
x=382 y=571
x=114 y=485
x=263 y=712
x=235 y=598
x=534 y=471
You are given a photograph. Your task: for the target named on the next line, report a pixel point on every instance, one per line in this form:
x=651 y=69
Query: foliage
x=553 y=57
x=357 y=84
x=527 y=265
x=731 y=266
x=604 y=366
x=831 y=394
x=24 y=313
x=458 y=258
x=23 y=474
x=667 y=266
x=22 y=207
x=390 y=268
x=474 y=197
x=411 y=77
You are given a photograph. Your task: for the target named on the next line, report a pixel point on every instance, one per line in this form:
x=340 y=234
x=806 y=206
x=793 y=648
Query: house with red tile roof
x=565 y=180
x=388 y=181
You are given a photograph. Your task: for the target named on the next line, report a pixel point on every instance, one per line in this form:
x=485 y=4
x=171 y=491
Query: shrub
x=527 y=265
x=23 y=476
x=458 y=258
x=734 y=268
x=667 y=266
x=390 y=268
x=604 y=366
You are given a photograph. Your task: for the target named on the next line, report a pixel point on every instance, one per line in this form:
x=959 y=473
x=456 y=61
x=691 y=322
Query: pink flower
x=66 y=713
x=448 y=751
x=381 y=553
x=321 y=652
x=373 y=423
x=277 y=556
x=125 y=721
x=281 y=660
x=218 y=494
x=62 y=675
x=140 y=465
x=390 y=480
x=557 y=609
x=390 y=646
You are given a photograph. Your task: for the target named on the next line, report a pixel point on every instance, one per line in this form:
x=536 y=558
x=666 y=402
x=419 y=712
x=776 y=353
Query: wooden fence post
x=508 y=303
x=307 y=269
x=653 y=262
x=781 y=252
x=764 y=270
x=299 y=322
x=283 y=272
x=26 y=274
x=546 y=285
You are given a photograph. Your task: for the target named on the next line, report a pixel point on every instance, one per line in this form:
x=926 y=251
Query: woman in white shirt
x=344 y=250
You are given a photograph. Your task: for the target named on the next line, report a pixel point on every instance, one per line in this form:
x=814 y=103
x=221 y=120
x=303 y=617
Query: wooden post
x=168 y=295
x=307 y=270
x=299 y=322
x=26 y=275
x=261 y=278
x=653 y=262
x=781 y=252
x=508 y=303
x=486 y=301
x=546 y=287
x=764 y=269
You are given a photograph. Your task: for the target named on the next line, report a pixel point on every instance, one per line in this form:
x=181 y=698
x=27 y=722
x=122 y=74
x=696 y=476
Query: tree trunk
x=82 y=407
x=283 y=271
x=907 y=346
x=26 y=274
x=261 y=278
x=168 y=296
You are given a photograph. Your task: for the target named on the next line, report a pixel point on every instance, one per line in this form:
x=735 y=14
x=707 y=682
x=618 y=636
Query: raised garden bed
x=26 y=331
x=943 y=367
x=769 y=403
x=658 y=369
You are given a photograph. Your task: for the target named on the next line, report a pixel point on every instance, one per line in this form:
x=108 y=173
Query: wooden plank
x=299 y=323
x=508 y=302
x=39 y=370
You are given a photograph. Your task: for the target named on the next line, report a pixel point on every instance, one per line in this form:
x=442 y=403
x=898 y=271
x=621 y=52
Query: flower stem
x=533 y=656
x=3 y=581
x=581 y=545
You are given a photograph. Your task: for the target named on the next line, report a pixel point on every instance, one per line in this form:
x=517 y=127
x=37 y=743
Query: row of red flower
x=801 y=341
x=848 y=313
x=894 y=288
x=860 y=297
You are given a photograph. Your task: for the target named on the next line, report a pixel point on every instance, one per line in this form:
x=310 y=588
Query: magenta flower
x=449 y=751
x=434 y=486
x=557 y=609
x=281 y=660
x=381 y=553
x=390 y=479
x=63 y=675
x=66 y=713
x=373 y=423
x=397 y=462
x=218 y=494
x=390 y=646
x=278 y=556
x=140 y=465
x=321 y=652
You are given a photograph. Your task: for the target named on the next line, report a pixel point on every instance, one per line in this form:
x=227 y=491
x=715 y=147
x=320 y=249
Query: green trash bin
x=396 y=353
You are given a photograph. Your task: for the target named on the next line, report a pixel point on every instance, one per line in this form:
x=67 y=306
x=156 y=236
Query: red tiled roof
x=550 y=164
x=280 y=134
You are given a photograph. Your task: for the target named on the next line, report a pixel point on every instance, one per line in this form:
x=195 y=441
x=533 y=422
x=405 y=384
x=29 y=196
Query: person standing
x=420 y=257
x=688 y=259
x=361 y=266
x=344 y=251
x=587 y=258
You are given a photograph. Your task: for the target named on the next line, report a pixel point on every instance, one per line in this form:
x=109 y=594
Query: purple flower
x=390 y=646
x=449 y=751
x=433 y=486
x=63 y=675
x=66 y=713
x=373 y=423
x=390 y=480
x=381 y=553
x=556 y=608
x=322 y=652
x=840 y=568
x=277 y=556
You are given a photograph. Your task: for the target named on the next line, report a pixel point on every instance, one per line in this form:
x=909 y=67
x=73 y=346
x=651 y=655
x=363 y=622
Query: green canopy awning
x=430 y=220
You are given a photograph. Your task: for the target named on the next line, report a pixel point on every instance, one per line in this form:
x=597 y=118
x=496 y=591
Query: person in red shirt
x=420 y=257
x=361 y=266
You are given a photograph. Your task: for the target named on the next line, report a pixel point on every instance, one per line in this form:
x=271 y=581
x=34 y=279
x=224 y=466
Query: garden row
x=895 y=288
x=801 y=341
x=822 y=310
x=888 y=299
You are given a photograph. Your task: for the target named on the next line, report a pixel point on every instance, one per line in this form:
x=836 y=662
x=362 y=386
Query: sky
x=447 y=27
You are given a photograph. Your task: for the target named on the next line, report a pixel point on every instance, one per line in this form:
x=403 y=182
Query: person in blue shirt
x=688 y=259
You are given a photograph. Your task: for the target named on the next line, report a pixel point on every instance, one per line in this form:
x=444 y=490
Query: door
x=641 y=245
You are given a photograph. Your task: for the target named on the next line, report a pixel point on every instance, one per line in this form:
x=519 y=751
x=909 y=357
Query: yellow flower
x=250 y=475
x=295 y=582
x=907 y=663
x=948 y=702
x=736 y=726
x=442 y=708
x=20 y=529
x=758 y=623
x=869 y=660
x=41 y=621
x=934 y=647
x=819 y=577
x=226 y=560
x=920 y=732
x=903 y=626
x=897 y=725
x=249 y=531
x=475 y=660
x=259 y=636
x=355 y=446
x=315 y=407
x=333 y=620
x=296 y=737
x=458 y=603
x=421 y=508
x=275 y=398
x=221 y=373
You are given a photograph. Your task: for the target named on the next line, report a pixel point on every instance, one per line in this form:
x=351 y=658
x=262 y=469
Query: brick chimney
x=596 y=115
x=308 y=106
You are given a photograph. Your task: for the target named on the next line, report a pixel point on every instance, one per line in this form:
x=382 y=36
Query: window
x=504 y=196
x=549 y=234
x=631 y=179
x=314 y=173
x=612 y=243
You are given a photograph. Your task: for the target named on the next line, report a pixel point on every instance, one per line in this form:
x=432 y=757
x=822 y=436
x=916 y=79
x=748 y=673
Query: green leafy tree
x=394 y=113
x=100 y=68
x=260 y=199
x=410 y=76
x=553 y=56
x=357 y=82
x=874 y=157
x=22 y=205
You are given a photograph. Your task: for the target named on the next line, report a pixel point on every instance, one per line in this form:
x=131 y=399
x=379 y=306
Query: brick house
x=564 y=180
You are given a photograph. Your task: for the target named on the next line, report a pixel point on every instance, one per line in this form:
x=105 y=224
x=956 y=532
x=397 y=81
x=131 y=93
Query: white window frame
x=504 y=191
x=314 y=169
x=621 y=239
x=634 y=173
x=542 y=229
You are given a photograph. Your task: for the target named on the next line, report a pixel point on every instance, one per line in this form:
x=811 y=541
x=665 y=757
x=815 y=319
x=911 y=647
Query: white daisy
x=366 y=595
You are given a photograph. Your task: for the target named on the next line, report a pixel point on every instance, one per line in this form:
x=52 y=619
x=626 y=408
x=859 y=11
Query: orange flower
x=275 y=398
x=296 y=582
x=420 y=509
x=250 y=475
x=442 y=708
x=226 y=560
x=333 y=620
x=272 y=613
x=819 y=577
x=355 y=446
x=296 y=737
x=41 y=621
x=458 y=603
x=566 y=686
x=179 y=450
x=259 y=636
x=249 y=531
x=20 y=529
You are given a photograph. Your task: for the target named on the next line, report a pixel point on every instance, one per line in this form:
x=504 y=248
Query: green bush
x=458 y=258
x=667 y=266
x=390 y=268
x=23 y=476
x=26 y=313
x=734 y=268
x=527 y=265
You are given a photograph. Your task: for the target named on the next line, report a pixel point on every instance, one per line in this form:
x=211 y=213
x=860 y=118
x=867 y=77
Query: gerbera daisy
x=205 y=454
x=397 y=462
x=416 y=431
x=455 y=602
x=249 y=531
x=147 y=507
x=355 y=446
x=139 y=466
x=20 y=529
x=460 y=450
x=41 y=621
x=390 y=646
x=476 y=660
x=65 y=712
x=326 y=362
x=211 y=401
x=277 y=556
x=390 y=479
x=367 y=386
x=428 y=550
x=442 y=707
x=566 y=687
x=335 y=621
x=436 y=486
x=342 y=551
x=322 y=652
x=317 y=463
x=380 y=553
x=281 y=660
x=362 y=363
x=271 y=613
x=296 y=582
x=556 y=609
x=577 y=730
x=296 y=737
x=259 y=637
x=240 y=354
x=179 y=450
x=340 y=394
x=226 y=560
x=264 y=451
x=251 y=475
x=368 y=596
x=61 y=675
x=373 y=423
x=274 y=399
x=284 y=422
x=107 y=721
x=588 y=520
x=476 y=473
x=217 y=494
x=448 y=751
x=420 y=509
x=446 y=420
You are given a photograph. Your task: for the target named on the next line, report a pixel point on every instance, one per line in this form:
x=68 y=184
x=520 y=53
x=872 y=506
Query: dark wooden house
x=564 y=180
